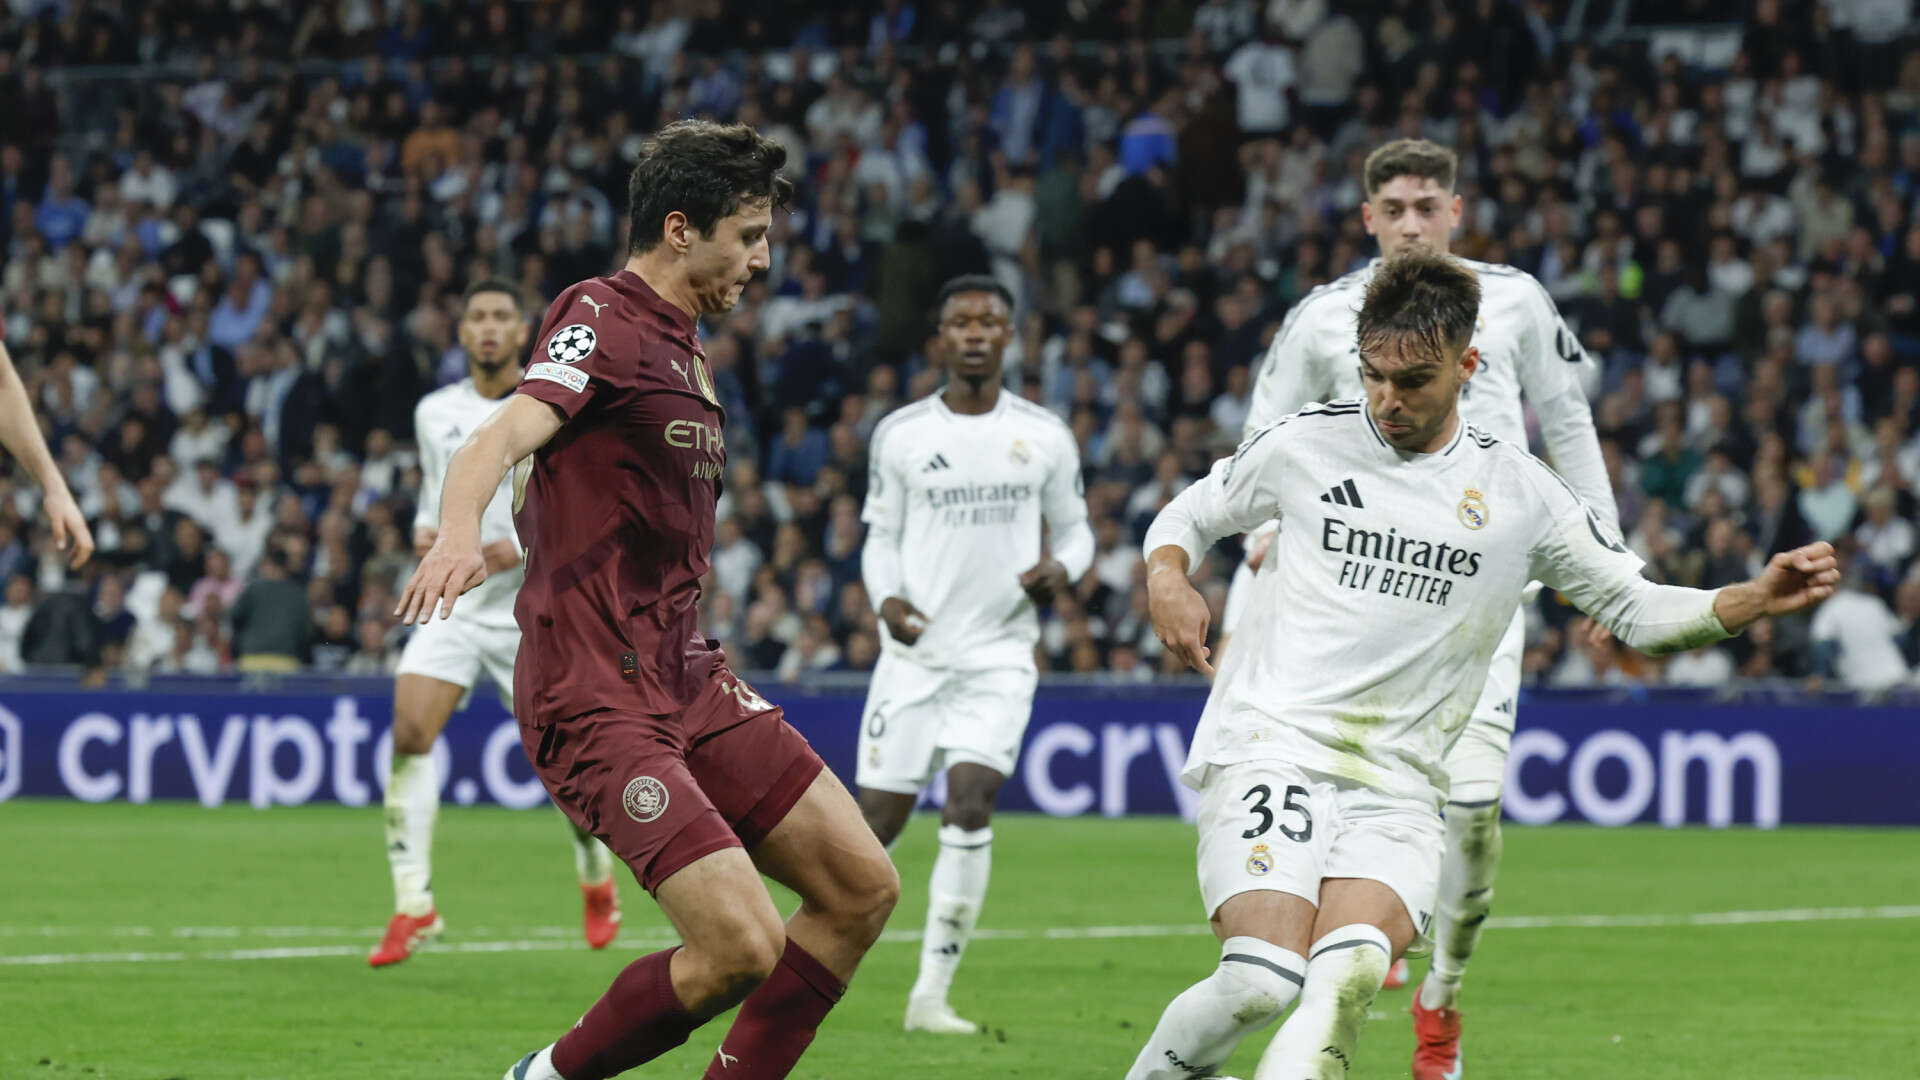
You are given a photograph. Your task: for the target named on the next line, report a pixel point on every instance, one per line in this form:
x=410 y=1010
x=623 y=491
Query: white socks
x=955 y=893
x=413 y=802
x=1255 y=982
x=592 y=862
x=1466 y=896
x=1344 y=972
x=540 y=1068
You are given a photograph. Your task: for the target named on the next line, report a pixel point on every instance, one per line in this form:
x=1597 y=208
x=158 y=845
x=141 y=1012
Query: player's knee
x=412 y=735
x=737 y=960
x=970 y=808
x=862 y=898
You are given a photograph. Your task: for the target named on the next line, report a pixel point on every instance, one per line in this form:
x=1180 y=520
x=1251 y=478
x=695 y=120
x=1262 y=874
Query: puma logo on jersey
x=598 y=307
x=726 y=1059
x=688 y=379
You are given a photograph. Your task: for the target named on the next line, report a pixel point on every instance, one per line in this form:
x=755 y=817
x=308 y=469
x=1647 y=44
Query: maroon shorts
x=660 y=799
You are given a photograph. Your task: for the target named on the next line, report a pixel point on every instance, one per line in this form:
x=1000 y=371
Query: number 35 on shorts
x=1293 y=802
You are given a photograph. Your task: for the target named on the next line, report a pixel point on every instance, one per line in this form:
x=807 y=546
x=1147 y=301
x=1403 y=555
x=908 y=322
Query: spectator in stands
x=1857 y=637
x=272 y=625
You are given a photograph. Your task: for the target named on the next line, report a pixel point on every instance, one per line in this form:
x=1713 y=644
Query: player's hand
x=1799 y=578
x=501 y=555
x=1257 y=551
x=1589 y=630
x=904 y=621
x=1180 y=619
x=1044 y=581
x=70 y=533
x=450 y=568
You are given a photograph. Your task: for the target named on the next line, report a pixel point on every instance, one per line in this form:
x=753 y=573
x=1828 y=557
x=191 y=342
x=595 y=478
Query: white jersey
x=1525 y=347
x=441 y=422
x=959 y=502
x=1391 y=582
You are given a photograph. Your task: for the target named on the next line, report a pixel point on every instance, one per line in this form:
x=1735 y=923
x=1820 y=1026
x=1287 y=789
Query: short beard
x=490 y=367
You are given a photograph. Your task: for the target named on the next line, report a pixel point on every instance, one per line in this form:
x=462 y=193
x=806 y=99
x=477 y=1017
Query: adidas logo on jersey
x=1345 y=494
x=939 y=462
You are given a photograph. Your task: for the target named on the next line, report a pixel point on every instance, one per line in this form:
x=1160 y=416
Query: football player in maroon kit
x=628 y=713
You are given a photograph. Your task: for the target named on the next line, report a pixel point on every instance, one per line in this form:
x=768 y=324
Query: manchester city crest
x=645 y=799
x=1473 y=510
x=1260 y=863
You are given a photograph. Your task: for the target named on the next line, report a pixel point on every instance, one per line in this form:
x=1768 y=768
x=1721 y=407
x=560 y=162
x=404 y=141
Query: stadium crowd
x=228 y=279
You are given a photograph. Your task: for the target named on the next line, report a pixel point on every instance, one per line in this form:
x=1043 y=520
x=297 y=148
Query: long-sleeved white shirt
x=441 y=422
x=955 y=506
x=1525 y=348
x=1373 y=619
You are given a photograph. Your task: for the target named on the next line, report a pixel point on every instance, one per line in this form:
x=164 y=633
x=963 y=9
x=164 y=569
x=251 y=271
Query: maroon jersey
x=617 y=511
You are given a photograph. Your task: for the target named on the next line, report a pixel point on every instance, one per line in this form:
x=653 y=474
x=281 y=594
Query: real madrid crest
x=1020 y=455
x=1260 y=863
x=1473 y=510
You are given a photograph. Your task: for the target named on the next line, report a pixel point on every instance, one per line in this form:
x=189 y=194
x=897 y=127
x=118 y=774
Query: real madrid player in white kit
x=961 y=484
x=444 y=657
x=1525 y=349
x=1320 y=753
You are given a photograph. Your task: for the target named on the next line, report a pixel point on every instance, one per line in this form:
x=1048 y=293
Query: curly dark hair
x=1420 y=300
x=705 y=170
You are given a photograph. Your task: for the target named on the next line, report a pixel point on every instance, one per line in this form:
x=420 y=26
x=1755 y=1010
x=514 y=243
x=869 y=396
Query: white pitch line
x=562 y=939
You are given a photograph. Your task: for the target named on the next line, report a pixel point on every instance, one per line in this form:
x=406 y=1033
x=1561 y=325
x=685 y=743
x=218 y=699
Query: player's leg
x=1383 y=869
x=622 y=777
x=983 y=716
x=1259 y=879
x=805 y=831
x=895 y=755
x=436 y=670
x=956 y=891
x=731 y=940
x=1477 y=767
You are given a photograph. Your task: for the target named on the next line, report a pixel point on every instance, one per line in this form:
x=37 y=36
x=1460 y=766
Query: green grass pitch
x=170 y=941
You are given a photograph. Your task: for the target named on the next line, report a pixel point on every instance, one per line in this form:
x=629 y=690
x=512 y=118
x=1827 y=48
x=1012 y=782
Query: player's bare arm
x=1792 y=580
x=457 y=562
x=1179 y=611
x=20 y=434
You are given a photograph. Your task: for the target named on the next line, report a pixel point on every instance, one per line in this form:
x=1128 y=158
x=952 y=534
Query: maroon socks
x=636 y=1020
x=777 y=1022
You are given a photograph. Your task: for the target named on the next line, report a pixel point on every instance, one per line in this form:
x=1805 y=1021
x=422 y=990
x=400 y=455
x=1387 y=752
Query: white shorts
x=1270 y=825
x=1477 y=762
x=919 y=721
x=455 y=650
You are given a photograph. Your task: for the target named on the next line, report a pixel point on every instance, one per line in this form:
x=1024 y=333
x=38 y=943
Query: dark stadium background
x=236 y=236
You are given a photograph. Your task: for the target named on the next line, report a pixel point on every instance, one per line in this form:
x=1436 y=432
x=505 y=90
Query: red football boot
x=1396 y=976
x=1436 y=1055
x=405 y=933
x=600 y=912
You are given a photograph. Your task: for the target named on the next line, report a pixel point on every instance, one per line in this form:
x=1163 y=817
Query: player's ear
x=1366 y=215
x=1469 y=362
x=677 y=232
